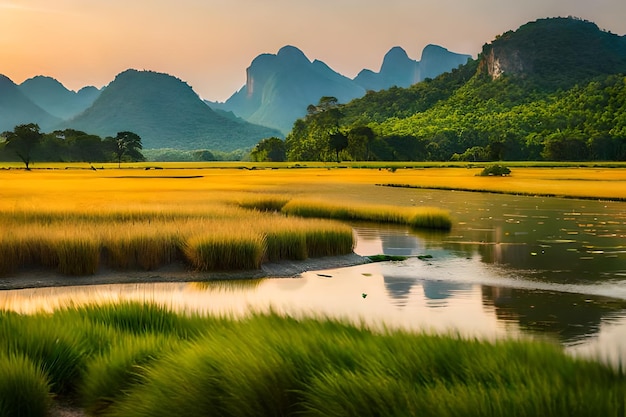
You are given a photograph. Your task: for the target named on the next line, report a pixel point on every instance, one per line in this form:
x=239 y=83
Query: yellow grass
x=144 y=218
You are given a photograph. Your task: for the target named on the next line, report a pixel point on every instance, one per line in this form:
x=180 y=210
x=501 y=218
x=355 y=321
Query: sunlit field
x=77 y=221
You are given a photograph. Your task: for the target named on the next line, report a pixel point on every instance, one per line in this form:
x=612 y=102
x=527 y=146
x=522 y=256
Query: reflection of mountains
x=399 y=288
x=568 y=317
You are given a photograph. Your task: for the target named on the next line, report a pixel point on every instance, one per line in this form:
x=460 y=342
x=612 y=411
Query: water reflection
x=544 y=239
x=511 y=266
x=569 y=318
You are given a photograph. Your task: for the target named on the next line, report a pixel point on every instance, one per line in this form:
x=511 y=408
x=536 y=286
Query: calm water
x=511 y=266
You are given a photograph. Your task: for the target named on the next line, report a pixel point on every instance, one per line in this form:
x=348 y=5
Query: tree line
x=26 y=143
x=456 y=117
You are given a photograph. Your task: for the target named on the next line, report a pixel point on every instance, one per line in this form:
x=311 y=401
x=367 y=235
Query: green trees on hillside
x=27 y=144
x=562 y=97
x=480 y=120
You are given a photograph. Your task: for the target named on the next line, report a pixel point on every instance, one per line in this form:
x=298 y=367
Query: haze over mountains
x=280 y=87
x=166 y=112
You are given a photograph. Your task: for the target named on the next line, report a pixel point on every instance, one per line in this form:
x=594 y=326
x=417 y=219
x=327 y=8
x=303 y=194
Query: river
x=512 y=266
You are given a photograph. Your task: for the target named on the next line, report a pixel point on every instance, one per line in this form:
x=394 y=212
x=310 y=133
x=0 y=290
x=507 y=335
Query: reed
x=419 y=217
x=264 y=202
x=137 y=360
x=223 y=251
x=55 y=350
x=24 y=388
x=110 y=375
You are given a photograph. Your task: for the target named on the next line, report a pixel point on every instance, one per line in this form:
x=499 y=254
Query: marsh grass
x=223 y=251
x=56 y=351
x=24 y=388
x=142 y=359
x=418 y=217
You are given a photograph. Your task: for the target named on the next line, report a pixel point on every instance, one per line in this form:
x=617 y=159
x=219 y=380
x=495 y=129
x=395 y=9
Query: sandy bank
x=39 y=278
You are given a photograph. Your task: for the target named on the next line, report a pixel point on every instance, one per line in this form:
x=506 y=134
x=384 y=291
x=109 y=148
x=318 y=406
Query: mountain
x=53 y=97
x=166 y=113
x=16 y=108
x=555 y=52
x=399 y=70
x=554 y=89
x=279 y=87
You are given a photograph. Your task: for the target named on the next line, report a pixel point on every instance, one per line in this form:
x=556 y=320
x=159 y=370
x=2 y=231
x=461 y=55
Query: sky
x=210 y=43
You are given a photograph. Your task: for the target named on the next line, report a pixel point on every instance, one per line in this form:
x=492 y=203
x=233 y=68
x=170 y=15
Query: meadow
x=76 y=222
x=134 y=359
x=141 y=359
x=222 y=217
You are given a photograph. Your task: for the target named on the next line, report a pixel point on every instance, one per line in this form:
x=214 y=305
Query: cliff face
x=556 y=51
x=498 y=61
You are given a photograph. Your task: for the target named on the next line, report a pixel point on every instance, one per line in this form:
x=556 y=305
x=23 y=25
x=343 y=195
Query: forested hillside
x=554 y=89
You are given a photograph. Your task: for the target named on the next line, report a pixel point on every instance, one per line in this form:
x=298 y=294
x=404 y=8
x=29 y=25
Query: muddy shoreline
x=41 y=278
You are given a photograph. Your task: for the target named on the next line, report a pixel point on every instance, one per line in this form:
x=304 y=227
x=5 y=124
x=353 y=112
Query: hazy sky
x=210 y=43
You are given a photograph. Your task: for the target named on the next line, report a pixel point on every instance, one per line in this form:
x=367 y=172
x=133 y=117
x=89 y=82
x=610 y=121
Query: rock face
x=53 y=97
x=558 y=51
x=16 y=108
x=166 y=113
x=399 y=70
x=280 y=87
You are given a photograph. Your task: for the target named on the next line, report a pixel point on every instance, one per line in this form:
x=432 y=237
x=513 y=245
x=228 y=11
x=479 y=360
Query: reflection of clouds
x=386 y=239
x=569 y=317
x=435 y=292
x=399 y=289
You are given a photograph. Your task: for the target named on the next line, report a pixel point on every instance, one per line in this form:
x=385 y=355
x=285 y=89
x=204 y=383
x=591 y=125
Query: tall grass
x=80 y=243
x=223 y=251
x=24 y=388
x=138 y=360
x=419 y=217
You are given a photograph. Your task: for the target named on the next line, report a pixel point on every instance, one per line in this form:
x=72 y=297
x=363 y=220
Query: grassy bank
x=139 y=359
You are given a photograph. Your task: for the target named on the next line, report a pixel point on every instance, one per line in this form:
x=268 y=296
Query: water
x=546 y=268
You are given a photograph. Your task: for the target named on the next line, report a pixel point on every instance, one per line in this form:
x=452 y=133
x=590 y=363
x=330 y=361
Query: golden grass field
x=65 y=218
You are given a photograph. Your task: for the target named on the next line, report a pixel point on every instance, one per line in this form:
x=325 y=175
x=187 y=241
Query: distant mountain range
x=280 y=87
x=166 y=112
x=554 y=89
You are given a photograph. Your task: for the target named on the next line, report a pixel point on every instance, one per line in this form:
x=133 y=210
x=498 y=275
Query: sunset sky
x=210 y=43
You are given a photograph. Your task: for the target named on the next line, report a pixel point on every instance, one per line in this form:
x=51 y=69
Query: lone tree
x=127 y=145
x=23 y=141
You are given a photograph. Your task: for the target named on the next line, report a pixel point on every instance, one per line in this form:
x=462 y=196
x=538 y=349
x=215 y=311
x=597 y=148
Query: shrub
x=495 y=171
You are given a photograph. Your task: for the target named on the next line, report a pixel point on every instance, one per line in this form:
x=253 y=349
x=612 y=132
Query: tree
x=270 y=149
x=126 y=145
x=24 y=140
x=360 y=139
x=338 y=142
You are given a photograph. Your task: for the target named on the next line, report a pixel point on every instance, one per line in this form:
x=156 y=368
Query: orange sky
x=209 y=43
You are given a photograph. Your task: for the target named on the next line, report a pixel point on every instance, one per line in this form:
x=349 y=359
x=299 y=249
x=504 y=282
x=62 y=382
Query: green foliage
x=565 y=101
x=142 y=360
x=269 y=150
x=200 y=155
x=24 y=388
x=24 y=141
x=495 y=170
x=69 y=145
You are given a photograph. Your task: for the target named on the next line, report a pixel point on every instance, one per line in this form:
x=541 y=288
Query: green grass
x=137 y=359
x=24 y=388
